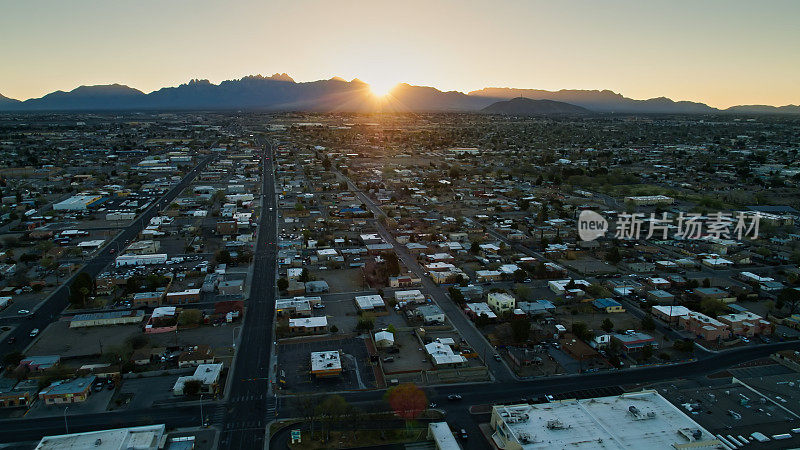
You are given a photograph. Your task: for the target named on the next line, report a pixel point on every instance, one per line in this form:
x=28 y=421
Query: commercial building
x=147 y=437
x=608 y=305
x=634 y=342
x=69 y=391
x=16 y=394
x=77 y=203
x=106 y=319
x=745 y=323
x=645 y=200
x=140 y=260
x=326 y=364
x=369 y=302
x=183 y=297
x=206 y=374
x=441 y=353
x=308 y=325
x=635 y=420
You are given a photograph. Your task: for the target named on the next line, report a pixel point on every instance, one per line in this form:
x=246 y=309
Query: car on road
x=23 y=312
x=11 y=340
x=34 y=332
x=497 y=357
x=463 y=434
x=98 y=386
x=388 y=359
x=319 y=306
x=454 y=397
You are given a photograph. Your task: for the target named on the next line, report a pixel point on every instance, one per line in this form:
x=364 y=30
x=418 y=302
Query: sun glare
x=381 y=88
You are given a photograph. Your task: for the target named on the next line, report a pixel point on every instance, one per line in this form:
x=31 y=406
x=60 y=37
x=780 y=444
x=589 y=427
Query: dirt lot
x=341 y=280
x=60 y=339
x=594 y=318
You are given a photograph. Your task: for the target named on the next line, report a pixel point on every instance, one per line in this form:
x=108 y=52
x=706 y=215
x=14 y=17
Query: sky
x=720 y=52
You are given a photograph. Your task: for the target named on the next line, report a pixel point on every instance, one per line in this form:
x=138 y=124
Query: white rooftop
x=309 y=322
x=146 y=437
x=367 y=302
x=325 y=361
x=637 y=420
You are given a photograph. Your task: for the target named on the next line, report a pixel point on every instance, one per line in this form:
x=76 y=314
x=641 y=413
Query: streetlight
x=202 y=420
x=233 y=335
x=66 y=426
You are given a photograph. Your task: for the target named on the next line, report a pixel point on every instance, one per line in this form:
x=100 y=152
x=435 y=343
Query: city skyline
x=718 y=53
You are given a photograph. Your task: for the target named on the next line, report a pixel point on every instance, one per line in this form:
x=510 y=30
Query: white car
x=34 y=332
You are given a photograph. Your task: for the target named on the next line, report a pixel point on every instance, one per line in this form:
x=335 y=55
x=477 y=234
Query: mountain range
x=280 y=92
x=522 y=106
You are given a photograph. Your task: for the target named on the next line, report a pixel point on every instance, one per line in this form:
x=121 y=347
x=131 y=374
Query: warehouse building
x=635 y=420
x=106 y=318
x=141 y=260
x=77 y=203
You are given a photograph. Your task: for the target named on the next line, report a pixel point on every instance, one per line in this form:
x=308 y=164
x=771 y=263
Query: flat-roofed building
x=308 y=325
x=68 y=391
x=369 y=302
x=746 y=323
x=147 y=437
x=326 y=364
x=635 y=420
x=406 y=297
x=106 y=319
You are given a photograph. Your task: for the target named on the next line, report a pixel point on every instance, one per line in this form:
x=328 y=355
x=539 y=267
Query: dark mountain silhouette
x=600 y=101
x=526 y=106
x=7 y=101
x=279 y=92
x=764 y=109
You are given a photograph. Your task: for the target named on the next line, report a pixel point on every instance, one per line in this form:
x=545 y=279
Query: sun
x=381 y=88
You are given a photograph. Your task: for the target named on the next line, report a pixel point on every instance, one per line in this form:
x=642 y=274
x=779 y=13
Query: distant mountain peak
x=526 y=106
x=337 y=78
x=281 y=77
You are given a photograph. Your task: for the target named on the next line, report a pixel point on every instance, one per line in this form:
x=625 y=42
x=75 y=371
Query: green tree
x=613 y=255
x=80 y=289
x=331 y=410
x=283 y=284
x=192 y=387
x=520 y=329
x=647 y=352
x=607 y=325
x=788 y=297
x=475 y=248
x=582 y=331
x=190 y=317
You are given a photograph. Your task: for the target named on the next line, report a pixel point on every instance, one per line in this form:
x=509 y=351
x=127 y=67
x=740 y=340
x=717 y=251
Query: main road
x=249 y=405
x=50 y=309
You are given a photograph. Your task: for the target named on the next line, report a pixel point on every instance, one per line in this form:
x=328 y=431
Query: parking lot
x=294 y=365
x=60 y=339
x=142 y=392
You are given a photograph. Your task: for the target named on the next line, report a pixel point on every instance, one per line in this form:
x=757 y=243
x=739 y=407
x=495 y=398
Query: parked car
x=23 y=312
x=11 y=340
x=454 y=397
x=34 y=332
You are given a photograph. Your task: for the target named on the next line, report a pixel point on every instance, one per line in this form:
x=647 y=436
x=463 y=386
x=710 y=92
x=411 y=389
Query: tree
x=331 y=410
x=81 y=287
x=223 y=257
x=307 y=407
x=613 y=256
x=304 y=275
x=788 y=297
x=706 y=283
x=520 y=329
x=406 y=400
x=13 y=358
x=648 y=324
x=647 y=352
x=456 y=296
x=190 y=317
x=365 y=324
x=392 y=265
x=326 y=163
x=607 y=325
x=283 y=284
x=475 y=248
x=582 y=331
x=192 y=387
x=712 y=306
x=520 y=275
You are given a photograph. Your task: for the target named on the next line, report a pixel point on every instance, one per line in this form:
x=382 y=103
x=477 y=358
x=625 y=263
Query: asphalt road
x=50 y=309
x=250 y=407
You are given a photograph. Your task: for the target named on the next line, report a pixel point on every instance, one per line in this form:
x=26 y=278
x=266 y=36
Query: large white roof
x=638 y=420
